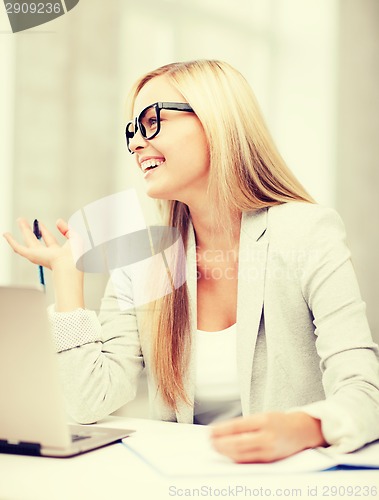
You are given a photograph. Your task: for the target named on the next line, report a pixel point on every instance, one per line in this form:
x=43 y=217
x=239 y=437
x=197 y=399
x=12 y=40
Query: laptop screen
x=31 y=402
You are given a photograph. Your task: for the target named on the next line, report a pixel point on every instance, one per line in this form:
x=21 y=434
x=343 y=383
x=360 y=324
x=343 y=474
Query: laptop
x=32 y=415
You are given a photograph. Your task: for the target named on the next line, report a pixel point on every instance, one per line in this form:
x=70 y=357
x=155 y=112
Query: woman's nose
x=137 y=142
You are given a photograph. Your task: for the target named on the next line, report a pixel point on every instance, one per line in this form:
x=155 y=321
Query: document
x=185 y=450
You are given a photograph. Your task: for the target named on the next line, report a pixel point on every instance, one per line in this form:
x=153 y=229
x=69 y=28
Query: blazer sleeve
x=100 y=357
x=348 y=355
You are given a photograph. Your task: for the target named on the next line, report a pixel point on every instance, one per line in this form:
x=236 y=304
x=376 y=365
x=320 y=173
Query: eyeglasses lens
x=148 y=122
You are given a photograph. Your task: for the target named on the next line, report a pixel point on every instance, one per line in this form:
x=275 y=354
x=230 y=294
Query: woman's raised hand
x=47 y=253
x=67 y=279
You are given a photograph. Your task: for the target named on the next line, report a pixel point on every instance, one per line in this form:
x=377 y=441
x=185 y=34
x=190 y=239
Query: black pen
x=38 y=235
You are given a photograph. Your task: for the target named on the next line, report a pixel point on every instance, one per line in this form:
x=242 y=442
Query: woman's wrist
x=309 y=430
x=68 y=287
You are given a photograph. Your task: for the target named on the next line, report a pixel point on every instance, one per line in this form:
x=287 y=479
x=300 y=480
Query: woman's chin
x=157 y=193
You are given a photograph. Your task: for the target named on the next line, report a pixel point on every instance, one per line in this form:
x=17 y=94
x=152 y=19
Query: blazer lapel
x=251 y=279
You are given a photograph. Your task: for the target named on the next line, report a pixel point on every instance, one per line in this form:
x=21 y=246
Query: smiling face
x=180 y=150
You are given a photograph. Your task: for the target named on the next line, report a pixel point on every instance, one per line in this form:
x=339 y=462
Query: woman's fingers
x=14 y=244
x=29 y=252
x=239 y=424
x=48 y=238
x=63 y=227
x=31 y=239
x=42 y=252
x=237 y=443
x=27 y=233
x=254 y=446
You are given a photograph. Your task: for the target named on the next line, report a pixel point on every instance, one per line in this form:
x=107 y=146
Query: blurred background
x=313 y=64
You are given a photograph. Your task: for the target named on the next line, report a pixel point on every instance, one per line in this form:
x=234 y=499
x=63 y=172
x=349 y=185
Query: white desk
x=114 y=473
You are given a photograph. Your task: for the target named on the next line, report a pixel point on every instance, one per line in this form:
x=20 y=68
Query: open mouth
x=150 y=165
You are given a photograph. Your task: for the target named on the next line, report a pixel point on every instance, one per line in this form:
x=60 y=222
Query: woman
x=268 y=335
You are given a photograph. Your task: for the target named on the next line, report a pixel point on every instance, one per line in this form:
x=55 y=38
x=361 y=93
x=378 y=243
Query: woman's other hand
x=266 y=437
x=47 y=253
x=67 y=279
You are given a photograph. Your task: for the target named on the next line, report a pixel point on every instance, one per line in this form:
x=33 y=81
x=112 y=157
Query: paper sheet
x=185 y=450
x=368 y=456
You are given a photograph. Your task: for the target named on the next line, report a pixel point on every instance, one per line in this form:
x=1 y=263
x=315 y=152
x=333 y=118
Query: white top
x=217 y=392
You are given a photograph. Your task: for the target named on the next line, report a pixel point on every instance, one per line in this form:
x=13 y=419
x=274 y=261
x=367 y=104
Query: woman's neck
x=210 y=236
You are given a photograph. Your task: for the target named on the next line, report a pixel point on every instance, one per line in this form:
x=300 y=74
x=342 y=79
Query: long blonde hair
x=246 y=173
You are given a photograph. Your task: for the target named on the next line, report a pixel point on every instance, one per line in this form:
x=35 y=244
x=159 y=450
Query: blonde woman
x=267 y=339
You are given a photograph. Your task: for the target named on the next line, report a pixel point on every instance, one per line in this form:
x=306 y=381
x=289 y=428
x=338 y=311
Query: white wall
x=287 y=49
x=303 y=110
x=7 y=68
x=358 y=145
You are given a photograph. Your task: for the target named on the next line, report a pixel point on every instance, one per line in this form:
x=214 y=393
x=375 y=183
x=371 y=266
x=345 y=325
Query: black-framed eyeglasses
x=148 y=122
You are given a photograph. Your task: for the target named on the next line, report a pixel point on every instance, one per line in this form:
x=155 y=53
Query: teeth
x=145 y=165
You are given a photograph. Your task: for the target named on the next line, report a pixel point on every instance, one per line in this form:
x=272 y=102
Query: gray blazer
x=303 y=341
